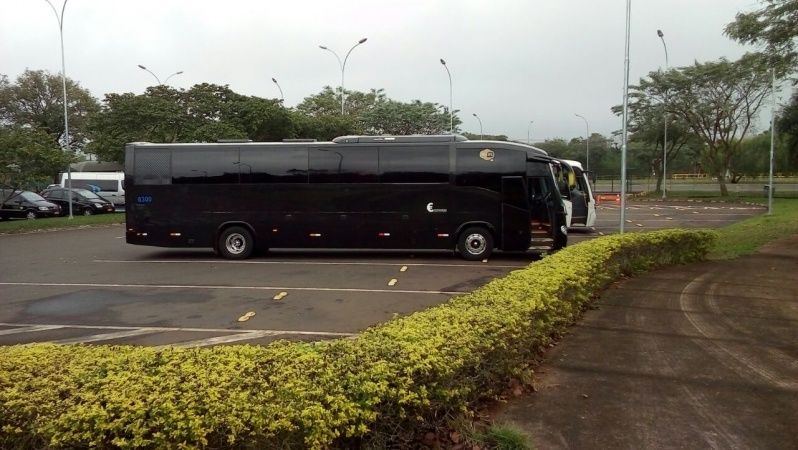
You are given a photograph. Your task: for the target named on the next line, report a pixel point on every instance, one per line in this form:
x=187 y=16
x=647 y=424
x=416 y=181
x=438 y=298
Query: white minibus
x=108 y=185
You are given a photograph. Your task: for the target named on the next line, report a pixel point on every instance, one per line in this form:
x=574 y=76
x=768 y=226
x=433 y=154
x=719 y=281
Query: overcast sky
x=512 y=62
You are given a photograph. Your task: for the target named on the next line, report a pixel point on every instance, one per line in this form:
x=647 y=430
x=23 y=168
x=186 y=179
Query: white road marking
x=105 y=336
x=301 y=263
x=27 y=328
x=253 y=288
x=30 y=327
x=222 y=339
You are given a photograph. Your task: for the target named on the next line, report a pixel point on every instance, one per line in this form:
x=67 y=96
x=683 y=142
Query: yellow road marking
x=392 y=282
x=280 y=296
x=246 y=316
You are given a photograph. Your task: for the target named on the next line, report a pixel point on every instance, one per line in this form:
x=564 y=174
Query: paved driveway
x=88 y=285
x=701 y=356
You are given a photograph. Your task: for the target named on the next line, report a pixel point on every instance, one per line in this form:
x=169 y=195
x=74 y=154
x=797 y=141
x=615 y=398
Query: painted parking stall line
x=246 y=336
x=27 y=328
x=243 y=288
x=120 y=332
x=106 y=336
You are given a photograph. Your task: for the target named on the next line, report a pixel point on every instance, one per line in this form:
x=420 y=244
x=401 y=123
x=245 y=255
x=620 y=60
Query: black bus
x=358 y=192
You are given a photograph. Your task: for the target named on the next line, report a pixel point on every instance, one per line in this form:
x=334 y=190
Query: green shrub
x=407 y=372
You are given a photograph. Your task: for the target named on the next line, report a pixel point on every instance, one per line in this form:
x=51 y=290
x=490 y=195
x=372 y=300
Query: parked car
x=84 y=201
x=25 y=204
x=108 y=185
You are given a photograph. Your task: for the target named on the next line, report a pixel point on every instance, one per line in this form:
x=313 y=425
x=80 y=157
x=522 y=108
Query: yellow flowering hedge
x=391 y=379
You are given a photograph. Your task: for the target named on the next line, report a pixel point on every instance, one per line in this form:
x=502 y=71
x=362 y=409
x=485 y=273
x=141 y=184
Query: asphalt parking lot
x=89 y=286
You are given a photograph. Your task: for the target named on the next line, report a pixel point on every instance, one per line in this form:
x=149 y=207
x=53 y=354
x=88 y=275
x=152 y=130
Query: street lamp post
x=451 y=111
x=625 y=118
x=480 y=124
x=587 y=142
x=156 y=76
x=528 y=131
x=665 y=138
x=60 y=19
x=282 y=98
x=343 y=67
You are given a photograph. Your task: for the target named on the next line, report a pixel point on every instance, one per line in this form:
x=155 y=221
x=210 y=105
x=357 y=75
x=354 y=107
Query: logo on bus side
x=431 y=208
x=487 y=154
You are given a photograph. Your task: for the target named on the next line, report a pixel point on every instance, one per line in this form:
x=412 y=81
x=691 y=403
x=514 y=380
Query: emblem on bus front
x=431 y=208
x=487 y=154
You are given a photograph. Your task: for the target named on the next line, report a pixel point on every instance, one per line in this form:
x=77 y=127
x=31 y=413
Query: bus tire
x=475 y=244
x=236 y=243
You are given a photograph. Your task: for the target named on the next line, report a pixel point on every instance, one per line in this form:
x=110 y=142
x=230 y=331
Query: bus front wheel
x=236 y=243
x=475 y=244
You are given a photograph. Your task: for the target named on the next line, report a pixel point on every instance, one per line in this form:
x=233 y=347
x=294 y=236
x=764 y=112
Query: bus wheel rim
x=476 y=244
x=235 y=243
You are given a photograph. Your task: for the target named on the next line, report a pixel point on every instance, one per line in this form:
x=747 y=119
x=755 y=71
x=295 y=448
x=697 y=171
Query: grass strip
x=26 y=226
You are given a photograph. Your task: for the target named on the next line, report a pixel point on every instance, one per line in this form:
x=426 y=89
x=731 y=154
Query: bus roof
x=532 y=152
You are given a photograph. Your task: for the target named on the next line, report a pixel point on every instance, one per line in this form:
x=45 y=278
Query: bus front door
x=515 y=214
x=579 y=206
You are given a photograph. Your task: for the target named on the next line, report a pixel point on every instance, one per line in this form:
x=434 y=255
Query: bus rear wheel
x=236 y=243
x=475 y=243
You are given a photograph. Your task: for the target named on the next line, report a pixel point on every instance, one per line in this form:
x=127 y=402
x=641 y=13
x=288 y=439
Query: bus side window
x=153 y=166
x=537 y=189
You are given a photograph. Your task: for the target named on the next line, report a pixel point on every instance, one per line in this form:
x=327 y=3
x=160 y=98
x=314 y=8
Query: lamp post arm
x=170 y=76
x=282 y=97
x=665 y=46
x=451 y=111
x=153 y=74
x=341 y=65
x=343 y=69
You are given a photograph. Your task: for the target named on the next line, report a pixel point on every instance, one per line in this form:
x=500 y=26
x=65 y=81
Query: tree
x=155 y=116
x=29 y=158
x=328 y=102
x=717 y=100
x=647 y=133
x=754 y=159
x=203 y=113
x=263 y=120
x=370 y=113
x=393 y=117
x=774 y=28
x=487 y=137
x=787 y=127
x=36 y=100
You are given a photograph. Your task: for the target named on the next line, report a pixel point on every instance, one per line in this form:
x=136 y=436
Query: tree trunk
x=724 y=191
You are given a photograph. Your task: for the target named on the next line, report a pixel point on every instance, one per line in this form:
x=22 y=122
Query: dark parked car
x=83 y=201
x=25 y=204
